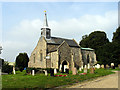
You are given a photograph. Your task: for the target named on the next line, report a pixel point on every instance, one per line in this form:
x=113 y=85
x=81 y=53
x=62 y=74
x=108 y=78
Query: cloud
x=24 y=37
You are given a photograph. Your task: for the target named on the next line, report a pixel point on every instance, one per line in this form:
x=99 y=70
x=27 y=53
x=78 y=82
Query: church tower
x=45 y=30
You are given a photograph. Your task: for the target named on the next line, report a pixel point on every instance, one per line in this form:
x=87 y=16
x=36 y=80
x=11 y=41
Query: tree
x=116 y=36
x=116 y=43
x=97 y=40
x=22 y=61
x=6 y=68
x=106 y=52
x=1 y=62
x=94 y=40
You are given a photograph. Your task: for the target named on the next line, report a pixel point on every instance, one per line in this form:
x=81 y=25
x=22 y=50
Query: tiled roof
x=58 y=41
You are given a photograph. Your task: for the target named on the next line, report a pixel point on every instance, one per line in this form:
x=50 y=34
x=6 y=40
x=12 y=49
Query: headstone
x=119 y=66
x=65 y=67
x=55 y=71
x=92 y=70
x=13 y=70
x=85 y=70
x=107 y=66
x=60 y=67
x=102 y=66
x=51 y=72
x=45 y=71
x=74 y=71
x=112 y=65
x=80 y=69
x=88 y=66
x=98 y=66
x=33 y=72
x=95 y=66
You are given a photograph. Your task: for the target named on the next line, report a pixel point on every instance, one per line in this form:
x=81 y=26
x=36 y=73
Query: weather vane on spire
x=45 y=20
x=45 y=11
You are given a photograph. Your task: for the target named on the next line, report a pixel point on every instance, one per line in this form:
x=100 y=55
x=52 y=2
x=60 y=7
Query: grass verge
x=21 y=80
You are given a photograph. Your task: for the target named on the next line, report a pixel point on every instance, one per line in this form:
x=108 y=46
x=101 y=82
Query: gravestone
x=74 y=71
x=119 y=66
x=85 y=69
x=92 y=70
x=51 y=72
x=55 y=71
x=85 y=66
x=112 y=66
x=102 y=66
x=80 y=69
x=13 y=70
x=88 y=66
x=45 y=72
x=33 y=72
x=107 y=66
x=98 y=66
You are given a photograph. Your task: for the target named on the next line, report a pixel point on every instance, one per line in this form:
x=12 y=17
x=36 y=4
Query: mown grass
x=21 y=80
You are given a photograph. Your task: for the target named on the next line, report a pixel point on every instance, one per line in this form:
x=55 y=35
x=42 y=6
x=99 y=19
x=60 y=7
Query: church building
x=59 y=53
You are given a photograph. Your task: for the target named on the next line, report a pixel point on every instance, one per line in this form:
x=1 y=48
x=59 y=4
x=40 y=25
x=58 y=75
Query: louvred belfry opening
x=45 y=30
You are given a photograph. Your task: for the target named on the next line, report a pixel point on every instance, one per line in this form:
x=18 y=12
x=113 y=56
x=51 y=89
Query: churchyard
x=24 y=80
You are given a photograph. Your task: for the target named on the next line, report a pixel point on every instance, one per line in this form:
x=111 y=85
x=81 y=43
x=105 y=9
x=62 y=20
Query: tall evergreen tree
x=22 y=61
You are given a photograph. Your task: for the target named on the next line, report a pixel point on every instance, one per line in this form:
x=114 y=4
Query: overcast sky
x=21 y=22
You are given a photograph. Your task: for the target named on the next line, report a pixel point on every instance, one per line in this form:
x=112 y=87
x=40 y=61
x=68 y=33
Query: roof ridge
x=62 y=38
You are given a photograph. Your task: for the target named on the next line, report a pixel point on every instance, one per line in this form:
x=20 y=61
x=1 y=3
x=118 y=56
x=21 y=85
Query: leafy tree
x=1 y=62
x=107 y=52
x=116 y=43
x=6 y=68
x=94 y=40
x=116 y=36
x=22 y=61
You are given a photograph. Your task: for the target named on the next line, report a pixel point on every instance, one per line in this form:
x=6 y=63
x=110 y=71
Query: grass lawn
x=21 y=80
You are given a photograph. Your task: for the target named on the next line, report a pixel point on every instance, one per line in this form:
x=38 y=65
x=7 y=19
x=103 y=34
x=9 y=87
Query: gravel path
x=109 y=81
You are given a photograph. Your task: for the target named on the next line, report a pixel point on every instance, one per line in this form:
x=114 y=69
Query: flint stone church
x=59 y=53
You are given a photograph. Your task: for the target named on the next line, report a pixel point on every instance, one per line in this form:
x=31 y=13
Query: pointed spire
x=45 y=25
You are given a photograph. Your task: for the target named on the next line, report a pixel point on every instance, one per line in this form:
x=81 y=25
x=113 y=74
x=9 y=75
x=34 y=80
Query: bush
x=6 y=68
